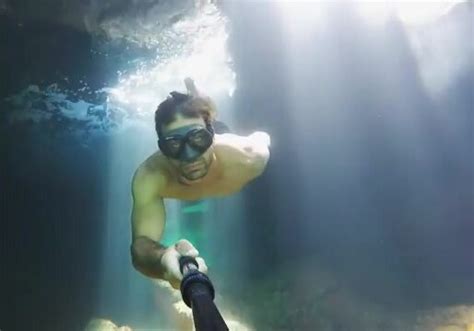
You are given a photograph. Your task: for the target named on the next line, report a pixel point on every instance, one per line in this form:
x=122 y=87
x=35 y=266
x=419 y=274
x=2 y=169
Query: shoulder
x=250 y=151
x=149 y=179
x=258 y=141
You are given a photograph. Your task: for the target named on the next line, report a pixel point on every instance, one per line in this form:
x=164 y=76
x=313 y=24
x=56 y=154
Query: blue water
x=363 y=219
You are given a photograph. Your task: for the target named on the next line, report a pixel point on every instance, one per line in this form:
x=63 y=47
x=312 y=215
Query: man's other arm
x=252 y=152
x=148 y=222
x=259 y=148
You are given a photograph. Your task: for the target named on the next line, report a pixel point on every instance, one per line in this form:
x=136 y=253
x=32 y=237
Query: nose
x=189 y=154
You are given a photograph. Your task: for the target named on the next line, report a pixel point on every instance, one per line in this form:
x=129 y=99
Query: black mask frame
x=187 y=150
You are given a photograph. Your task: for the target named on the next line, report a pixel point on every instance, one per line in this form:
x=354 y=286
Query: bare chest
x=231 y=182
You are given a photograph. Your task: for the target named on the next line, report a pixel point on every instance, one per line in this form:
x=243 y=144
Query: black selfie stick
x=198 y=294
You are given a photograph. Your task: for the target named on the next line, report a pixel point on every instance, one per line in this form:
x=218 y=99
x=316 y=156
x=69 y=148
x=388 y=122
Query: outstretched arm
x=148 y=222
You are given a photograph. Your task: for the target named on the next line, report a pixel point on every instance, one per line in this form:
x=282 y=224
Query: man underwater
x=193 y=162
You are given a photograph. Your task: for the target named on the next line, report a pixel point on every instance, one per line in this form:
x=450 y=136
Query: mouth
x=193 y=166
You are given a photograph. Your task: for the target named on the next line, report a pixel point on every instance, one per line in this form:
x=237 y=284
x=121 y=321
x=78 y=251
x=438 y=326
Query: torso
x=234 y=173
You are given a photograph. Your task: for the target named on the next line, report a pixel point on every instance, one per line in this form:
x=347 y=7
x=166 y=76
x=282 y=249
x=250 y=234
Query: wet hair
x=186 y=105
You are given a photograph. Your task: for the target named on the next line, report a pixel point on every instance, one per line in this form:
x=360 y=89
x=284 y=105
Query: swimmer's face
x=197 y=167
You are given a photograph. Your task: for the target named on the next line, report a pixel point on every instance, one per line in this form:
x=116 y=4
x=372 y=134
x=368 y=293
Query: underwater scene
x=247 y=165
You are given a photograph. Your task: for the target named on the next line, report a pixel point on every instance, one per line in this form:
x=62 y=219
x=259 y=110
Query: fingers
x=176 y=284
x=170 y=260
x=202 y=264
x=185 y=248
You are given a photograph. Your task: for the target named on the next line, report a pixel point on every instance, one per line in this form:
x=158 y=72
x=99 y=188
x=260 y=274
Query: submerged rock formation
x=311 y=298
x=455 y=318
x=99 y=324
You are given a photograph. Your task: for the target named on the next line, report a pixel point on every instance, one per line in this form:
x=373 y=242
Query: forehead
x=181 y=121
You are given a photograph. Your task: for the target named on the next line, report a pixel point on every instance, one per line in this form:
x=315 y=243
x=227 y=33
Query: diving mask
x=186 y=143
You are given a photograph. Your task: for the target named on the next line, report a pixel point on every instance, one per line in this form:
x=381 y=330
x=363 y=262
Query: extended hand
x=170 y=261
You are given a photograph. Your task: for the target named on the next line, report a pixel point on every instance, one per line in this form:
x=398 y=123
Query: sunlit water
x=195 y=46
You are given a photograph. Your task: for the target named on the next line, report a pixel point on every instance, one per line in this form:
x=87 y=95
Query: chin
x=195 y=175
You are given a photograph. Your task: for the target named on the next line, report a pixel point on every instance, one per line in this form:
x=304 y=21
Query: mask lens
x=178 y=144
x=173 y=145
x=200 y=139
